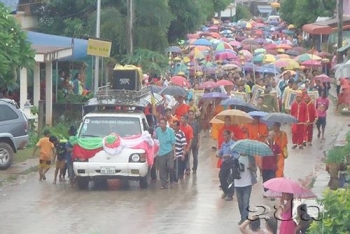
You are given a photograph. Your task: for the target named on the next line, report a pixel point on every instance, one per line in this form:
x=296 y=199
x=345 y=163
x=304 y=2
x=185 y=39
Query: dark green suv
x=13 y=131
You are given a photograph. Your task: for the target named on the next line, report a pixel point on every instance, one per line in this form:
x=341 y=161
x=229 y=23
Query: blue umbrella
x=257 y=113
x=202 y=42
x=280 y=118
x=232 y=101
x=214 y=95
x=267 y=70
x=249 y=67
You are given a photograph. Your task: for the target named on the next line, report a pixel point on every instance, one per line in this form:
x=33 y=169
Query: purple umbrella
x=210 y=70
x=260 y=40
x=249 y=67
x=214 y=95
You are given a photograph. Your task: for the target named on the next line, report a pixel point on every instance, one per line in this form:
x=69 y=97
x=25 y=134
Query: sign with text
x=98 y=47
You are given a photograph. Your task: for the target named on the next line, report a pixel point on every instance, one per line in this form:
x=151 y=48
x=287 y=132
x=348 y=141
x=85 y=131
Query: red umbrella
x=284 y=46
x=311 y=63
x=180 y=81
x=224 y=83
x=235 y=43
x=284 y=185
x=270 y=47
x=323 y=54
x=208 y=85
x=323 y=78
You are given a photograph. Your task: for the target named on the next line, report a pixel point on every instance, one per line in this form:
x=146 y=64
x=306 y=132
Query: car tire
x=6 y=155
x=144 y=180
x=83 y=183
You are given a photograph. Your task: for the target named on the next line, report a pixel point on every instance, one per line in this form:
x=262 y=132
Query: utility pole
x=97 y=58
x=130 y=23
x=340 y=29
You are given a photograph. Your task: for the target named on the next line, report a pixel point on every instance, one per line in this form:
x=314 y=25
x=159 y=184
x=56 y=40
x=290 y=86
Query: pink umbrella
x=225 y=56
x=208 y=85
x=323 y=78
x=224 y=83
x=180 y=81
x=284 y=185
x=235 y=43
x=270 y=47
x=311 y=63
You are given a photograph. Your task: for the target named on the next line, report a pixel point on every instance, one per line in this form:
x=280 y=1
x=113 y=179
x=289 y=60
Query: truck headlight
x=135 y=157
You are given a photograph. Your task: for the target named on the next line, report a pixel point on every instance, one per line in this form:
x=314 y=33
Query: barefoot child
x=46 y=155
x=61 y=151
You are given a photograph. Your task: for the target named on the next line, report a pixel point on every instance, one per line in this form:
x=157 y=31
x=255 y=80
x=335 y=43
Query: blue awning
x=265 y=9
x=79 y=45
x=12 y=4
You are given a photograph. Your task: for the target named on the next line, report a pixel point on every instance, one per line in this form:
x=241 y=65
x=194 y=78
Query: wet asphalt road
x=192 y=206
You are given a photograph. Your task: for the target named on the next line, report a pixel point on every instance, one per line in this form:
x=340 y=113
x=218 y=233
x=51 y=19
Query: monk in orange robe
x=256 y=130
x=281 y=140
x=216 y=127
x=311 y=116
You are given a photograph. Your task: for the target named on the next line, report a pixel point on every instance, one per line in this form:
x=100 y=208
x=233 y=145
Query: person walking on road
x=298 y=110
x=193 y=122
x=280 y=139
x=166 y=137
x=187 y=129
x=322 y=104
x=180 y=148
x=269 y=164
x=46 y=155
x=227 y=156
x=311 y=116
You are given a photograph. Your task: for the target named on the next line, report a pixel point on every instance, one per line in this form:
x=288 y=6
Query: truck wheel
x=144 y=181
x=6 y=155
x=83 y=183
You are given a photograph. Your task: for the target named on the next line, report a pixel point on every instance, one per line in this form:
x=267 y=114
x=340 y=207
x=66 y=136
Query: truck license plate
x=107 y=170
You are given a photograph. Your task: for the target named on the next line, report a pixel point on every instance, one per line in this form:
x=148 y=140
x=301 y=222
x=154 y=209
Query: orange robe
x=216 y=127
x=281 y=140
x=257 y=131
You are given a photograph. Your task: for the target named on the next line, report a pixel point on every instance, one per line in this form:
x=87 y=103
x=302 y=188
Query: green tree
x=286 y=10
x=220 y=5
x=242 y=12
x=16 y=52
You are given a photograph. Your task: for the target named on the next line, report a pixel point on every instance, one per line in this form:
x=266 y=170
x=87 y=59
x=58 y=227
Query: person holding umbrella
x=226 y=155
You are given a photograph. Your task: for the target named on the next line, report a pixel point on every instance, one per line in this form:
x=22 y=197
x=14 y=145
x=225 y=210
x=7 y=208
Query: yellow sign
x=99 y=48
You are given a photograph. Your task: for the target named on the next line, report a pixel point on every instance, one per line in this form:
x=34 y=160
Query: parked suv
x=13 y=131
x=130 y=164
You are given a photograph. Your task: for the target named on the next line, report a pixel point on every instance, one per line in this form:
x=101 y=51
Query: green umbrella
x=252 y=148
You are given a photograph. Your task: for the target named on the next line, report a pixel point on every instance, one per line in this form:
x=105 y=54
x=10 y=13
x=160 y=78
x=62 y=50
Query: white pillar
x=48 y=93
x=23 y=87
x=36 y=85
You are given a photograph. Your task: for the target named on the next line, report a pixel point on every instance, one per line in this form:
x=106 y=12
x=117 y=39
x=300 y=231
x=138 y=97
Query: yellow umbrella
x=280 y=50
x=275 y=5
x=237 y=116
x=269 y=58
x=287 y=63
x=186 y=59
x=279 y=56
x=291 y=26
x=248 y=25
x=216 y=121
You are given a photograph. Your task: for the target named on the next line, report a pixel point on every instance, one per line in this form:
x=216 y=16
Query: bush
x=336 y=215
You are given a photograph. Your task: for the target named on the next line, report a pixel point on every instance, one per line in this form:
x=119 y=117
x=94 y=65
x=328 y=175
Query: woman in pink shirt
x=322 y=104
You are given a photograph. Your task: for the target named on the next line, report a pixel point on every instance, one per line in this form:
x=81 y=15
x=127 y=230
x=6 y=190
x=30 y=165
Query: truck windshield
x=103 y=126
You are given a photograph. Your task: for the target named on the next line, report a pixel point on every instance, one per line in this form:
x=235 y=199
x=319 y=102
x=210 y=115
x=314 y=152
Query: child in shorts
x=46 y=155
x=60 y=146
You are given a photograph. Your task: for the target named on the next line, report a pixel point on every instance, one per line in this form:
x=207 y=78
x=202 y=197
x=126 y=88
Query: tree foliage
x=298 y=12
x=242 y=12
x=16 y=52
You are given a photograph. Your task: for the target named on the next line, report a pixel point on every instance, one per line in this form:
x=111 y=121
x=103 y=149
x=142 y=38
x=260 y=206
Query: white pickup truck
x=128 y=164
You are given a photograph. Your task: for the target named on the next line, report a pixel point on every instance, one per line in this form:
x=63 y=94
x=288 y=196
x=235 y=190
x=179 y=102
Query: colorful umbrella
x=251 y=148
x=224 y=83
x=284 y=46
x=292 y=52
x=232 y=101
x=269 y=58
x=225 y=56
x=259 y=51
x=180 y=81
x=235 y=43
x=284 y=185
x=279 y=56
x=287 y=63
x=323 y=78
x=304 y=57
x=230 y=67
x=157 y=98
x=174 y=49
x=222 y=46
x=208 y=85
x=279 y=118
x=270 y=46
x=237 y=116
x=311 y=63
x=250 y=41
